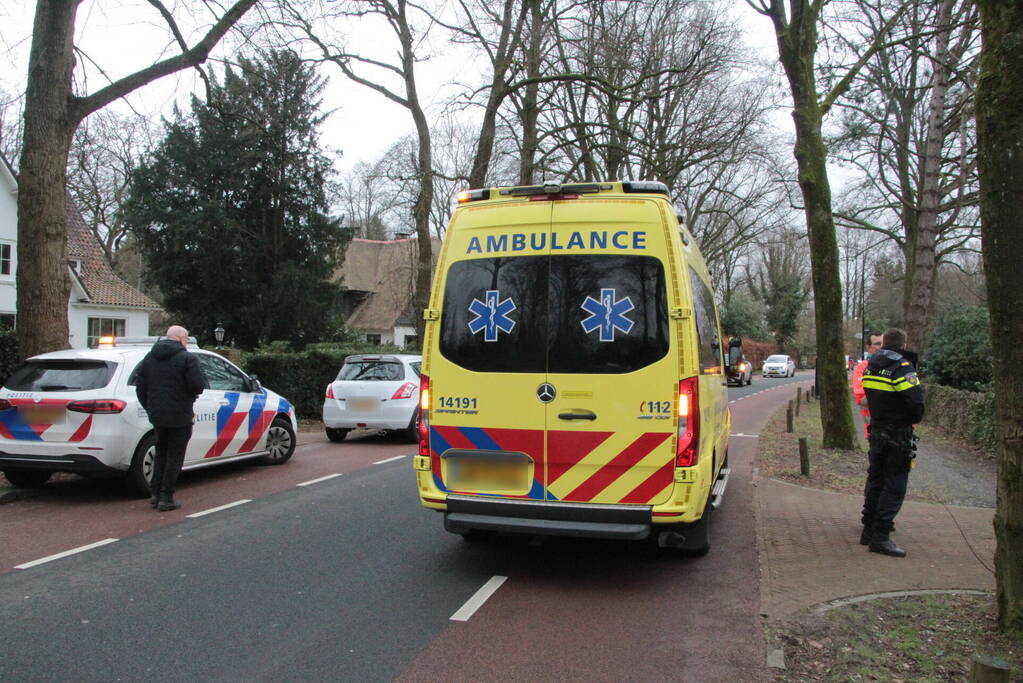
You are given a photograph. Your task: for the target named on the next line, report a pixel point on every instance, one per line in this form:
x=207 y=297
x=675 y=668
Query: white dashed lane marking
x=222 y=507
x=317 y=481
x=477 y=600
x=381 y=462
x=73 y=551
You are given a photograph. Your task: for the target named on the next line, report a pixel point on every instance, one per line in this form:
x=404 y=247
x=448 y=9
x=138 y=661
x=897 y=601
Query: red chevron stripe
x=82 y=431
x=565 y=449
x=262 y=422
x=455 y=437
x=618 y=466
x=653 y=485
x=40 y=428
x=226 y=435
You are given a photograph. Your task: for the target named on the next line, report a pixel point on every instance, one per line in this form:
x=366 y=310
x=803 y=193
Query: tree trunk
x=42 y=279
x=999 y=101
x=796 y=50
x=530 y=109
x=920 y=269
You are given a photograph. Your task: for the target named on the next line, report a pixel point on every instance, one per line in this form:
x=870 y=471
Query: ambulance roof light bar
x=555 y=188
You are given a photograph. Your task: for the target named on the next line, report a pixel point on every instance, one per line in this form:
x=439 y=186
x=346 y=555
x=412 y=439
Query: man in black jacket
x=169 y=380
x=896 y=402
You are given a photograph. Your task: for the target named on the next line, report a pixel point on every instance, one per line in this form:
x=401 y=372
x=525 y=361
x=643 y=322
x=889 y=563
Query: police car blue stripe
x=18 y=428
x=225 y=412
x=256 y=411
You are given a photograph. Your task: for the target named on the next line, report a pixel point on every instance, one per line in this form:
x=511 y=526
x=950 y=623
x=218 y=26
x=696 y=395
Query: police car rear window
x=580 y=313
x=61 y=375
x=371 y=371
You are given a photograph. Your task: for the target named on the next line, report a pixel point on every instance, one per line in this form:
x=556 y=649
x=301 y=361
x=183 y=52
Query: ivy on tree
x=230 y=211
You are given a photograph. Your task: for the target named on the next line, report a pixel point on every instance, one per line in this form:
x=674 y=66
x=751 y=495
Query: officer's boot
x=881 y=542
x=167 y=502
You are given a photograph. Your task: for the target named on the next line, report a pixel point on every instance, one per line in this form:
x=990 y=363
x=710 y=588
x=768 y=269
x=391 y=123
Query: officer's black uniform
x=896 y=402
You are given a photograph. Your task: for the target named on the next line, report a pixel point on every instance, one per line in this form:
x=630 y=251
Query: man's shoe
x=167 y=505
x=886 y=546
x=153 y=502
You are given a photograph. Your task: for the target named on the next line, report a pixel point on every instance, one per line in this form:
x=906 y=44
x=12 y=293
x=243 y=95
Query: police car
x=76 y=411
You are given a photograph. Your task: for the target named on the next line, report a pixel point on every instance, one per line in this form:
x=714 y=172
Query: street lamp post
x=218 y=332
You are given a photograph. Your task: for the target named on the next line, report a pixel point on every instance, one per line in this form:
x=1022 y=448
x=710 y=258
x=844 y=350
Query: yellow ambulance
x=572 y=380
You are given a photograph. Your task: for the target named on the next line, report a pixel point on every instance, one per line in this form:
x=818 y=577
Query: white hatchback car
x=779 y=366
x=374 y=392
x=76 y=411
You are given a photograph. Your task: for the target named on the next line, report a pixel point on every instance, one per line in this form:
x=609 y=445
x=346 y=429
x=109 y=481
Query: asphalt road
x=349 y=578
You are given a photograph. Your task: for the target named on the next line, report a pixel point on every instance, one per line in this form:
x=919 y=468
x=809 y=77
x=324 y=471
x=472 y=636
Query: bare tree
x=796 y=30
x=10 y=126
x=53 y=112
x=104 y=151
x=999 y=131
x=907 y=126
x=409 y=23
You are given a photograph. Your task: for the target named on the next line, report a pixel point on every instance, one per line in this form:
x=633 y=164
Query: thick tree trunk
x=920 y=270
x=530 y=109
x=999 y=100
x=796 y=51
x=42 y=279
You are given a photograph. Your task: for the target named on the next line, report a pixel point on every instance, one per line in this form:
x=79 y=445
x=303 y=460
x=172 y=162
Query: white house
x=101 y=303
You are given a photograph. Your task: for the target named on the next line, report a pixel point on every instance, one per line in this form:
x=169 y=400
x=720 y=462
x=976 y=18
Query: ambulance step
x=717 y=493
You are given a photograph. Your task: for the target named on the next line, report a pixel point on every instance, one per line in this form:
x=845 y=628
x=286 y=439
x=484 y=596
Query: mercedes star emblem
x=546 y=393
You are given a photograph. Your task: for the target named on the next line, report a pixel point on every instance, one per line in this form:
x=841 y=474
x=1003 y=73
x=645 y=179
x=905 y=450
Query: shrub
x=968 y=415
x=959 y=353
x=303 y=377
x=9 y=356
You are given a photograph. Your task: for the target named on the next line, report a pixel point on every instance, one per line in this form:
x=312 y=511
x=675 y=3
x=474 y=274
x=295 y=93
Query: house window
x=8 y=321
x=76 y=266
x=410 y=341
x=104 y=327
x=6 y=258
x=373 y=339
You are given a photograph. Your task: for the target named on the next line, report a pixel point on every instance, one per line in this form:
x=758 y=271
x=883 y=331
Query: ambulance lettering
x=538 y=241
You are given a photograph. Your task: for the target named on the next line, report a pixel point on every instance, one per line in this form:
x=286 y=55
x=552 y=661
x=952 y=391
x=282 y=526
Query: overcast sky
x=121 y=36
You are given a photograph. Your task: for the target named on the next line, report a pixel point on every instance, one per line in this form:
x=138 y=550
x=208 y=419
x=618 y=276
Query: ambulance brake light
x=686 y=452
x=424 y=415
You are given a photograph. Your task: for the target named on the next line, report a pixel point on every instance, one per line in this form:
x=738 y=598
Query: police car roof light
x=120 y=342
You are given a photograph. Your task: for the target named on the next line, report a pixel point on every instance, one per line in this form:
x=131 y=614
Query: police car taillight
x=688 y=422
x=424 y=415
x=99 y=405
x=406 y=390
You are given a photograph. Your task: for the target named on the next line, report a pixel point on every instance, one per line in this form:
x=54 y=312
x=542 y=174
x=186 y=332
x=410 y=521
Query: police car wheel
x=336 y=434
x=27 y=479
x=141 y=471
x=280 y=443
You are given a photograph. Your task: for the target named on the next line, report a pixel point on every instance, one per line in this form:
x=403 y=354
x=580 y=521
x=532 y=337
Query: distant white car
x=374 y=392
x=76 y=411
x=779 y=366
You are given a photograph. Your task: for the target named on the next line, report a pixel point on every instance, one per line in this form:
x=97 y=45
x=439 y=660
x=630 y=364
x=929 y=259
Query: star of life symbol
x=607 y=315
x=491 y=315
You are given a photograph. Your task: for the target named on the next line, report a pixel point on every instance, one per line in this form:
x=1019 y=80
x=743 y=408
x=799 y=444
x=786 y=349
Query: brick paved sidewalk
x=808 y=543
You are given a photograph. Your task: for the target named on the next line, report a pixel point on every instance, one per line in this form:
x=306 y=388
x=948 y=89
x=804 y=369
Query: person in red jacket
x=857 y=381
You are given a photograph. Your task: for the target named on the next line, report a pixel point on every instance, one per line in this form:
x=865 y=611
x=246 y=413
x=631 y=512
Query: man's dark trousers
x=887 y=479
x=171 y=443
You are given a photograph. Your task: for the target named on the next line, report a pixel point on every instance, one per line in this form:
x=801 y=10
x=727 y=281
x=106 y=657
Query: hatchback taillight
x=424 y=415
x=99 y=405
x=688 y=422
x=406 y=390
x=330 y=390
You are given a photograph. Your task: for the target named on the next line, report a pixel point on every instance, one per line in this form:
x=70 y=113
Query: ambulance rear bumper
x=623 y=522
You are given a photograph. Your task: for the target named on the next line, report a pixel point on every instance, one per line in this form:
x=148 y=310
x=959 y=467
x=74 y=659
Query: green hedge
x=9 y=356
x=303 y=377
x=968 y=415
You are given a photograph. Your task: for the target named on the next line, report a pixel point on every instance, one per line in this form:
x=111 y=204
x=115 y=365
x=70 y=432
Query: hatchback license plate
x=42 y=414
x=364 y=405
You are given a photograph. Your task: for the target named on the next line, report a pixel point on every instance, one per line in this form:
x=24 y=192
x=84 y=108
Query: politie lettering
x=538 y=241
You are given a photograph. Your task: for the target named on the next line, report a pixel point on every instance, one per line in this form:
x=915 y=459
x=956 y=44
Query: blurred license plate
x=42 y=414
x=487 y=473
x=363 y=405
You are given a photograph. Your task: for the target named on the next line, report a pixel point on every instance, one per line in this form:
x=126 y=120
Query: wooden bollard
x=804 y=457
x=799 y=398
x=987 y=669
x=788 y=418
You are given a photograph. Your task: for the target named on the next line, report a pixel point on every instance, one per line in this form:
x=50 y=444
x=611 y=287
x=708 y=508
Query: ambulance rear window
x=580 y=313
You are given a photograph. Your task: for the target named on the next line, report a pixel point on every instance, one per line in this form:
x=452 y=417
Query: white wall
x=136 y=322
x=8 y=233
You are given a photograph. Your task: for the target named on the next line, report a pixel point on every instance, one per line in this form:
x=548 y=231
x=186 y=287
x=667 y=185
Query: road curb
x=11 y=495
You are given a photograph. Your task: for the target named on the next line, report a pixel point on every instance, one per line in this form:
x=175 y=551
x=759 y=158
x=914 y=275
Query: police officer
x=896 y=402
